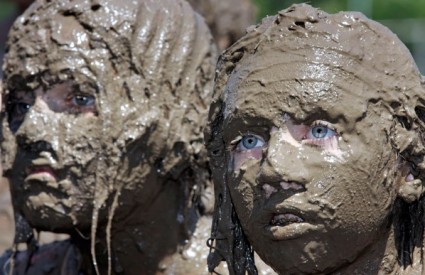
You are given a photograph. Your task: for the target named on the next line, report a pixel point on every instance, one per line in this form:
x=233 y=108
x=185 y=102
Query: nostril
x=268 y=173
x=32 y=146
x=292 y=186
x=269 y=190
x=42 y=146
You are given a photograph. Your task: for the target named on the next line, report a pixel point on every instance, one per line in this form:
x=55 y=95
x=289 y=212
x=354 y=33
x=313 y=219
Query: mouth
x=288 y=226
x=285 y=219
x=43 y=174
x=42 y=168
x=290 y=219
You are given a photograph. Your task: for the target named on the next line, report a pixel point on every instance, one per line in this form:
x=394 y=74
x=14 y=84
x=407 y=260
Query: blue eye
x=321 y=131
x=250 y=141
x=83 y=100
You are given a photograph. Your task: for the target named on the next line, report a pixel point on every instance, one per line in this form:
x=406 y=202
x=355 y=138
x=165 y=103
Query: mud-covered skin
x=66 y=199
x=228 y=20
x=318 y=205
x=7 y=224
x=125 y=175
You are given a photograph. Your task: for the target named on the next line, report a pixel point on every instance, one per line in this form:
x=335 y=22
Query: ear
x=410 y=188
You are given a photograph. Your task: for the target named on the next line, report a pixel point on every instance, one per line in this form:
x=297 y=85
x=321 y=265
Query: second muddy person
x=105 y=103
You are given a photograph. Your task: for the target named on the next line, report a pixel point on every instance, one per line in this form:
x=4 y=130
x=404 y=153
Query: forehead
x=49 y=42
x=304 y=84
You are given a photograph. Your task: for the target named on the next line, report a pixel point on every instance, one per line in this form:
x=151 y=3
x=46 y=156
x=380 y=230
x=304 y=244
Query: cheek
x=240 y=157
x=243 y=189
x=353 y=200
x=8 y=147
x=82 y=140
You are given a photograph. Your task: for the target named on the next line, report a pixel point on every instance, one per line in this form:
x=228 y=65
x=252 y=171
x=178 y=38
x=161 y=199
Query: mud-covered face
x=310 y=166
x=56 y=133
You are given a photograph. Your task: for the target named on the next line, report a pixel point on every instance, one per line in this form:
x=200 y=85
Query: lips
x=41 y=174
x=287 y=213
x=289 y=223
x=40 y=169
x=285 y=219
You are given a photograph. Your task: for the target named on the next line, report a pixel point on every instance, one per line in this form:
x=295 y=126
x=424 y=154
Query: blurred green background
x=6 y=8
x=404 y=17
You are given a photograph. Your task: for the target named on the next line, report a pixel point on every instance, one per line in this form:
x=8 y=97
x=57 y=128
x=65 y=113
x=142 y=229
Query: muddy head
x=315 y=142
x=104 y=103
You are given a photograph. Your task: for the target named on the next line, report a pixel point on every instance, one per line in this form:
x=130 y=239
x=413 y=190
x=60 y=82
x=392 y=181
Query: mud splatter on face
x=104 y=110
x=54 y=176
x=307 y=121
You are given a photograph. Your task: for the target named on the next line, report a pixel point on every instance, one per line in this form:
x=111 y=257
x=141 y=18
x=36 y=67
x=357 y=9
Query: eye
x=17 y=112
x=248 y=147
x=322 y=135
x=249 y=142
x=320 y=131
x=83 y=100
x=20 y=108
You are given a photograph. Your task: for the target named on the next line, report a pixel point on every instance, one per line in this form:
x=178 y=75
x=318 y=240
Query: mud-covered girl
x=104 y=106
x=316 y=146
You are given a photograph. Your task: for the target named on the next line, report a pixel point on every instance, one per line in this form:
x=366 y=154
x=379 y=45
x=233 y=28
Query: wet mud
x=103 y=174
x=316 y=146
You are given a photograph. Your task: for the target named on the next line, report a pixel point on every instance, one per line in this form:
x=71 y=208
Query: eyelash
x=238 y=145
x=75 y=107
x=71 y=101
x=320 y=142
x=310 y=138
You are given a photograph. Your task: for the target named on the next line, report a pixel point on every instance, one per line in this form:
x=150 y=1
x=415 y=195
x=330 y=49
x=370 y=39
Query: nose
x=284 y=162
x=38 y=129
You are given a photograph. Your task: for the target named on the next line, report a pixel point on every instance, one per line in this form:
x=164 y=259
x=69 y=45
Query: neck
x=154 y=238
x=382 y=255
x=382 y=258
x=150 y=234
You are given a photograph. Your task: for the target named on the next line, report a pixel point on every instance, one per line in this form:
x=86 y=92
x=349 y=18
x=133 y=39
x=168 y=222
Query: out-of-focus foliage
x=376 y=9
x=270 y=7
x=6 y=8
x=398 y=9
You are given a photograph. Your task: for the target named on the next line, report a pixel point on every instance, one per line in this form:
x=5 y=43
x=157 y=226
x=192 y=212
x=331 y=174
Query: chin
x=307 y=262
x=49 y=219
